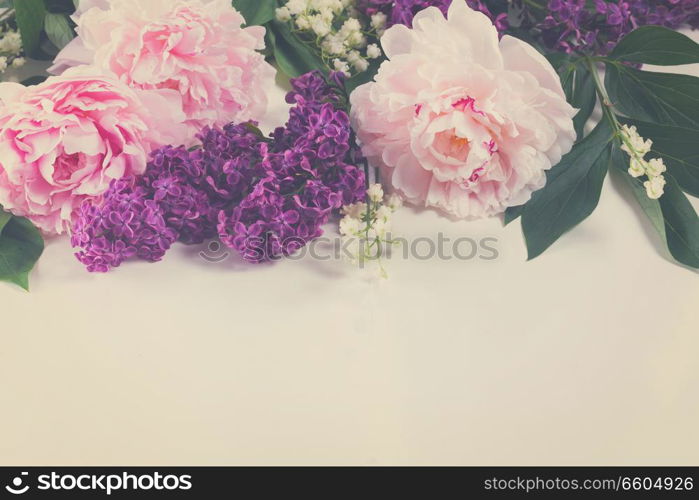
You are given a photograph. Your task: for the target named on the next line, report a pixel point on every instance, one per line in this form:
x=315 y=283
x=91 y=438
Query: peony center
x=65 y=166
x=449 y=144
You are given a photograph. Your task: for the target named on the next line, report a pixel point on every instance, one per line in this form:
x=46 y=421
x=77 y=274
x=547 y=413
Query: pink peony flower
x=66 y=139
x=460 y=121
x=195 y=48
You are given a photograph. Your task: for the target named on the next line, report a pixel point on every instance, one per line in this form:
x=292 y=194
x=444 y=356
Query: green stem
x=608 y=110
x=367 y=179
x=606 y=103
x=535 y=5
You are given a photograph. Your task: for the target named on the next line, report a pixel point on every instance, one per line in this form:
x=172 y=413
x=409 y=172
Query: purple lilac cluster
x=128 y=223
x=177 y=199
x=575 y=26
x=264 y=197
x=563 y=25
x=310 y=173
x=403 y=11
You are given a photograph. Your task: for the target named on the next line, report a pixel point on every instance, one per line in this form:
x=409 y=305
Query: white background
x=587 y=355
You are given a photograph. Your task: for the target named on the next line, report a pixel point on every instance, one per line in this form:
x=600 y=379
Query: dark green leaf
x=34 y=80
x=571 y=193
x=30 y=16
x=681 y=224
x=513 y=213
x=364 y=77
x=21 y=246
x=294 y=57
x=672 y=215
x=256 y=12
x=654 y=97
x=255 y=130
x=558 y=59
x=578 y=86
x=620 y=161
x=565 y=67
x=583 y=98
x=58 y=29
x=679 y=148
x=61 y=6
x=270 y=42
x=4 y=219
x=656 y=45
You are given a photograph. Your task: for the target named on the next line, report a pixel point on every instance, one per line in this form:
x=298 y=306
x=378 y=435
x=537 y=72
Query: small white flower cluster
x=333 y=26
x=10 y=50
x=366 y=226
x=637 y=148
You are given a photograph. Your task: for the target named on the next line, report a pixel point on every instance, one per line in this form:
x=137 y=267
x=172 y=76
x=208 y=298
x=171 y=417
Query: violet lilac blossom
x=266 y=197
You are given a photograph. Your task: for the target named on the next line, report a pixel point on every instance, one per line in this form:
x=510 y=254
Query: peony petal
x=41 y=143
x=484 y=37
x=85 y=5
x=73 y=54
x=520 y=56
x=11 y=92
x=397 y=40
x=78 y=140
x=411 y=179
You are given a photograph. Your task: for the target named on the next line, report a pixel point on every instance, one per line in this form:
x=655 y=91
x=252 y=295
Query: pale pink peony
x=460 y=121
x=65 y=140
x=194 y=47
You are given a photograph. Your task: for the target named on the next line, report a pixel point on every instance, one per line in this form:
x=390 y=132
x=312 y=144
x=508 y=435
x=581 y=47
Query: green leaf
x=30 y=15
x=579 y=87
x=255 y=130
x=565 y=67
x=571 y=193
x=681 y=224
x=363 y=77
x=58 y=29
x=558 y=59
x=679 y=148
x=583 y=97
x=656 y=45
x=61 y=6
x=21 y=246
x=4 y=219
x=672 y=215
x=270 y=43
x=513 y=213
x=34 y=80
x=293 y=57
x=654 y=97
x=651 y=207
x=256 y=12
